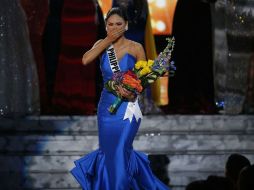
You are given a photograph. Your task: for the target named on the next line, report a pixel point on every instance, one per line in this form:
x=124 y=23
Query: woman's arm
x=100 y=46
x=96 y=50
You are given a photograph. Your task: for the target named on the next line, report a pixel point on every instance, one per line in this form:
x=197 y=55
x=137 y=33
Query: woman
x=115 y=165
x=71 y=78
x=192 y=89
x=19 y=88
x=37 y=13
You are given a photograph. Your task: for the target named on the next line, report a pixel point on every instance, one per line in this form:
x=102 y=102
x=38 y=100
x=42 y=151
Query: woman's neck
x=119 y=42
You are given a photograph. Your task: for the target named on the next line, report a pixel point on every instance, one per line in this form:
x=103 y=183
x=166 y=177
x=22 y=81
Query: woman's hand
x=123 y=92
x=101 y=45
x=115 y=34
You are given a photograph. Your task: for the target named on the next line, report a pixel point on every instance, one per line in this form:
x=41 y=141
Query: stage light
x=153 y=23
x=105 y=6
x=161 y=3
x=151 y=10
x=160 y=26
x=100 y=3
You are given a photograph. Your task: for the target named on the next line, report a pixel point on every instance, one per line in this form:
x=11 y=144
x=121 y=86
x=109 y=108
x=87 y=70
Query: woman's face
x=115 y=22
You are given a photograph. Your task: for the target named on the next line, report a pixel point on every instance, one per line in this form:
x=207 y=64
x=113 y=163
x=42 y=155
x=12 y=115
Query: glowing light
x=161 y=3
x=151 y=10
x=105 y=6
x=153 y=23
x=100 y=3
x=150 y=1
x=160 y=26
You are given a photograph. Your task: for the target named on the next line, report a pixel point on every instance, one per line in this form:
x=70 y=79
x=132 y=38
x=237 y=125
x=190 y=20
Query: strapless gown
x=115 y=165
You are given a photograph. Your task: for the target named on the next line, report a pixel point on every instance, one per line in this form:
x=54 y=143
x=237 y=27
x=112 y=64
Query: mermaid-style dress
x=115 y=165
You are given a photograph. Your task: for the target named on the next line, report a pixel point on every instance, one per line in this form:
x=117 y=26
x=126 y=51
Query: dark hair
x=211 y=183
x=137 y=10
x=246 y=177
x=116 y=11
x=234 y=164
x=196 y=185
x=219 y=183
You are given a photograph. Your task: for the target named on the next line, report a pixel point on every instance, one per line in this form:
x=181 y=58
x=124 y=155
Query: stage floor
x=38 y=152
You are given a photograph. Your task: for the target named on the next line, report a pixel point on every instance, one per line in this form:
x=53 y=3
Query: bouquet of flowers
x=143 y=74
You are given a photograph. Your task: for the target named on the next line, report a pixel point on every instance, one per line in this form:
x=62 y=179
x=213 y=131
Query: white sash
x=133 y=108
x=112 y=59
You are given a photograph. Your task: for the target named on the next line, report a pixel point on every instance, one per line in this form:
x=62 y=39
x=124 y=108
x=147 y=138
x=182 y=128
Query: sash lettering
x=112 y=59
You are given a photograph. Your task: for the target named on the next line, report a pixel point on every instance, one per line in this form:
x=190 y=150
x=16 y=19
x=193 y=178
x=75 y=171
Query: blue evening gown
x=115 y=165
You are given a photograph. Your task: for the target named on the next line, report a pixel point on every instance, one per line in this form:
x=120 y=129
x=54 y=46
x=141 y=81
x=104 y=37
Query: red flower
x=132 y=74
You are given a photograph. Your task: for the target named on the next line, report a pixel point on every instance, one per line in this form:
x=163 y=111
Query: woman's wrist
x=107 y=40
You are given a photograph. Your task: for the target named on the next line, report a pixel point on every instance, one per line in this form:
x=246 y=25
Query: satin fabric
x=115 y=165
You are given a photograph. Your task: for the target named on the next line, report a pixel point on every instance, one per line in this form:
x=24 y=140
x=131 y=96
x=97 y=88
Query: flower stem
x=113 y=108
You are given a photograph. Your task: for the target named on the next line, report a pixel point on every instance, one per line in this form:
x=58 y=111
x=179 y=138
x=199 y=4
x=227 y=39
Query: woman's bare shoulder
x=135 y=47
x=137 y=50
x=134 y=44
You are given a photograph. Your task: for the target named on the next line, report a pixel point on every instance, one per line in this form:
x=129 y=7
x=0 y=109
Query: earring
x=126 y=27
x=106 y=29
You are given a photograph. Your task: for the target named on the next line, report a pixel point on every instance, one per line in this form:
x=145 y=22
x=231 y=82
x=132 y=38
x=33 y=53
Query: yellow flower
x=150 y=63
x=140 y=64
x=144 y=64
x=146 y=70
